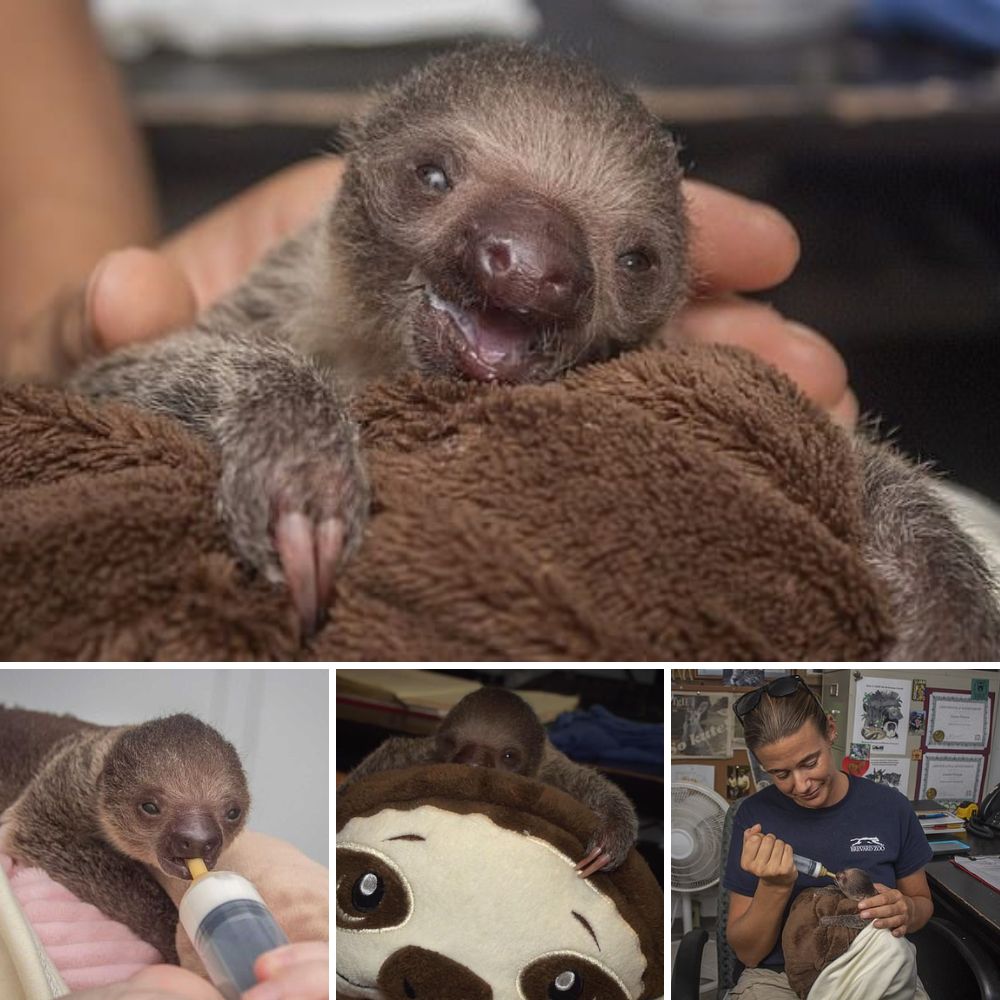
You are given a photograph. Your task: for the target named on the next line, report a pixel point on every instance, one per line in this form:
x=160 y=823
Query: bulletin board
x=738 y=756
x=956 y=757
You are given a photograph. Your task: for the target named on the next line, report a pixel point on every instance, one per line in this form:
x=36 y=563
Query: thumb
x=135 y=295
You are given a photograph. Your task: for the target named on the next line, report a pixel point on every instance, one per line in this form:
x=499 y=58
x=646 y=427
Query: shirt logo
x=866 y=844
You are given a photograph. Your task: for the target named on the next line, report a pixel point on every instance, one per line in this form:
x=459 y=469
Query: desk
x=966 y=901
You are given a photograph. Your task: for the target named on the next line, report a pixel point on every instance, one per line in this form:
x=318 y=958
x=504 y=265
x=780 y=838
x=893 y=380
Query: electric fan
x=696 y=817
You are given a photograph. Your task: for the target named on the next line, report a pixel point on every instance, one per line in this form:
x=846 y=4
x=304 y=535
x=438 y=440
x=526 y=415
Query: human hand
x=768 y=858
x=738 y=245
x=299 y=971
x=889 y=909
x=138 y=294
x=156 y=982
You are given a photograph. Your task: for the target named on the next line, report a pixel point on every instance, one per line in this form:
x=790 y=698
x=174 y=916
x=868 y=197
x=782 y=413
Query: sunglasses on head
x=780 y=687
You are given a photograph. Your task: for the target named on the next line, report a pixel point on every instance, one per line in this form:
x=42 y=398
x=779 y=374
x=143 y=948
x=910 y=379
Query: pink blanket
x=88 y=948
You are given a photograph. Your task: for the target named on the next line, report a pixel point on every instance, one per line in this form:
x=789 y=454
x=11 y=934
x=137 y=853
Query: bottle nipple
x=196 y=867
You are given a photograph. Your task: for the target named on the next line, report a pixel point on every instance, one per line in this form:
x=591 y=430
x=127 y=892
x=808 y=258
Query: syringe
x=229 y=926
x=811 y=868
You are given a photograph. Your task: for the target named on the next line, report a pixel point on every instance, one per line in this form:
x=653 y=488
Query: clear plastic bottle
x=809 y=867
x=229 y=926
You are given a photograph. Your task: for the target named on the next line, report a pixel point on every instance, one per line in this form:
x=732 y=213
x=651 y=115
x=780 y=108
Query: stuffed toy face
x=458 y=882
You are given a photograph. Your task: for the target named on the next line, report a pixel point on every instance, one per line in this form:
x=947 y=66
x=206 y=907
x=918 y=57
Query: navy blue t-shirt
x=872 y=827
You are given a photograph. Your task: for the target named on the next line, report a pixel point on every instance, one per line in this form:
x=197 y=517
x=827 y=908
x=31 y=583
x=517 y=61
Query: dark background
x=883 y=150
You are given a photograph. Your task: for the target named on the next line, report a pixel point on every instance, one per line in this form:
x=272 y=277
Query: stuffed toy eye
x=566 y=986
x=368 y=891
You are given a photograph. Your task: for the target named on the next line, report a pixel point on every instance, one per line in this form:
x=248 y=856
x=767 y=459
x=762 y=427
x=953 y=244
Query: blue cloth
x=873 y=827
x=970 y=22
x=597 y=735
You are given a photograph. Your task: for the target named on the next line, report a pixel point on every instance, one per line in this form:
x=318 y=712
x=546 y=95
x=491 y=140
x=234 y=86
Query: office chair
x=951 y=964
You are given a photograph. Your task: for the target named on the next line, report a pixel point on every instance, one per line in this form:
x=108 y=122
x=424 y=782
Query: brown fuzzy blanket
x=810 y=946
x=683 y=503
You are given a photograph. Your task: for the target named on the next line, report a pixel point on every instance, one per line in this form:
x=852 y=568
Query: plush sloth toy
x=458 y=882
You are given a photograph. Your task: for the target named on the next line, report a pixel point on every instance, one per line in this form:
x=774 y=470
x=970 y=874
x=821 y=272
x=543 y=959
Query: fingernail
x=772 y=218
x=91 y=290
x=806 y=334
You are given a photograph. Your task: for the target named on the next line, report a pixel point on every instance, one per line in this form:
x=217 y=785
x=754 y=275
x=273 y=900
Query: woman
x=822 y=813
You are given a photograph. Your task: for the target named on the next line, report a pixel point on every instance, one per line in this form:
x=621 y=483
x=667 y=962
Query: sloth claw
x=308 y=554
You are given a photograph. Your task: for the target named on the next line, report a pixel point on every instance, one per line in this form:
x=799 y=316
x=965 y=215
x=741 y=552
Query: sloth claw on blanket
x=680 y=503
x=459 y=882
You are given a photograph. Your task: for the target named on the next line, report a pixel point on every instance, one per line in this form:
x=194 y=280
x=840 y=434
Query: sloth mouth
x=176 y=866
x=489 y=344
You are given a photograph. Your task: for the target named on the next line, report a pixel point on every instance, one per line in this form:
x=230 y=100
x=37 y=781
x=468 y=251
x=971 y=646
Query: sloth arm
x=292 y=491
x=619 y=827
x=941 y=594
x=75 y=857
x=396 y=752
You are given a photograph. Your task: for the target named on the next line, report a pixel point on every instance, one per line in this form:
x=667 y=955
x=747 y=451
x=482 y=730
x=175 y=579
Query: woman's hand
x=889 y=909
x=157 y=982
x=768 y=858
x=137 y=294
x=299 y=971
x=738 y=245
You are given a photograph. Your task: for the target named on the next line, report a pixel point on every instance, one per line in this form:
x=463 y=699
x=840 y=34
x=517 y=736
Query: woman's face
x=802 y=766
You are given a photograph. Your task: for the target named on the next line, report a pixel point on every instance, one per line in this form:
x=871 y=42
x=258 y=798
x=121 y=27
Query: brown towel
x=810 y=946
x=680 y=503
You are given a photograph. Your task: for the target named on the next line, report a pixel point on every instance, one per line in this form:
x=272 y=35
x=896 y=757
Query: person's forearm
x=754 y=935
x=921 y=910
x=74 y=182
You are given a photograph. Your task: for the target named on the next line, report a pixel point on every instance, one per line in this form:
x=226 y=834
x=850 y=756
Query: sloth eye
x=367 y=892
x=635 y=261
x=234 y=814
x=433 y=177
x=150 y=808
x=566 y=986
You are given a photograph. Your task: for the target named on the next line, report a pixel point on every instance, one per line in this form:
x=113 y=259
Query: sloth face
x=172 y=789
x=529 y=219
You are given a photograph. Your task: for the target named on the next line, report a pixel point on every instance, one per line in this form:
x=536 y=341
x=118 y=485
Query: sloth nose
x=528 y=257
x=195 y=838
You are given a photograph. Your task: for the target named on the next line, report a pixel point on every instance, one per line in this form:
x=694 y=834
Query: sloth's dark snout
x=528 y=257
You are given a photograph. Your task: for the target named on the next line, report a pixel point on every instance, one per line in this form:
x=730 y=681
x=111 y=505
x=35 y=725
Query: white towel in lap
x=877 y=966
x=205 y=27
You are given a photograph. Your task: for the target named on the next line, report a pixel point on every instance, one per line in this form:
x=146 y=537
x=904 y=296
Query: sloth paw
x=605 y=851
x=297 y=513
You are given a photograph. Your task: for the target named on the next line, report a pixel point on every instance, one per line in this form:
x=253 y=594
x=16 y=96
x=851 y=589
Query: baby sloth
x=94 y=806
x=505 y=214
x=855 y=884
x=493 y=727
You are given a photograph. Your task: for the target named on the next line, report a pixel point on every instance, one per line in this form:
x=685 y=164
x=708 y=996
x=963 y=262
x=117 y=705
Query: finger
x=300 y=981
x=582 y=863
x=737 y=244
x=135 y=295
x=845 y=411
x=766 y=849
x=801 y=353
x=751 y=831
x=270 y=962
x=294 y=543
x=595 y=866
x=174 y=981
x=217 y=251
x=786 y=859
